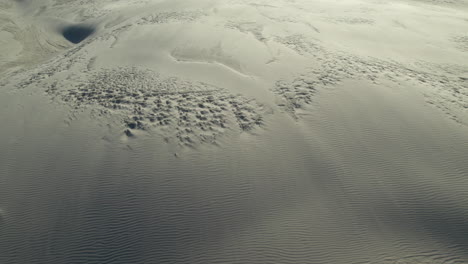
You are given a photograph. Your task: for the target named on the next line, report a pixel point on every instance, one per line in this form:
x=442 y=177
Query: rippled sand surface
x=233 y=132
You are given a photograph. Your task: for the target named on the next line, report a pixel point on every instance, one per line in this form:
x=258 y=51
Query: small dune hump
x=77 y=33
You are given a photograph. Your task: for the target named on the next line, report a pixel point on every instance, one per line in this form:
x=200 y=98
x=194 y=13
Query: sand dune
x=229 y=131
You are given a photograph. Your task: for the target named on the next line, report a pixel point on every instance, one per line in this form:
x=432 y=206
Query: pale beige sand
x=220 y=131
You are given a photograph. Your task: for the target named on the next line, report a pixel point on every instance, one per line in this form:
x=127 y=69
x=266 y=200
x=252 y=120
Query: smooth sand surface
x=220 y=131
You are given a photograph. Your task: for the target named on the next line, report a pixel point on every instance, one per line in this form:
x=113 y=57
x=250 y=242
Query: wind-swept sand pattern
x=231 y=131
x=190 y=112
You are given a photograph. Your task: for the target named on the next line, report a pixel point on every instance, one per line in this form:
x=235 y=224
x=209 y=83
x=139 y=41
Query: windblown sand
x=229 y=131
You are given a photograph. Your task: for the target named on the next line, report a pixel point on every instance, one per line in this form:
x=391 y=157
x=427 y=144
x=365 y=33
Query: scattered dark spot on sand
x=132 y=125
x=128 y=133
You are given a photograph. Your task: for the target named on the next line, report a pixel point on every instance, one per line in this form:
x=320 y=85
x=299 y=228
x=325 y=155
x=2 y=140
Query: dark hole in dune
x=77 y=33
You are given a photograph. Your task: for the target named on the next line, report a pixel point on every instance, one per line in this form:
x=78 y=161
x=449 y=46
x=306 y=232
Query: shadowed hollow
x=77 y=33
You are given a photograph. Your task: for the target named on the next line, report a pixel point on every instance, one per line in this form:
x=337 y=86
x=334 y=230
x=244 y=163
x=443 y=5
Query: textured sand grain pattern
x=231 y=131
